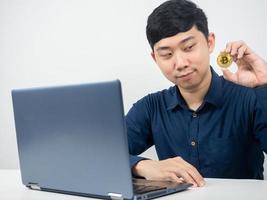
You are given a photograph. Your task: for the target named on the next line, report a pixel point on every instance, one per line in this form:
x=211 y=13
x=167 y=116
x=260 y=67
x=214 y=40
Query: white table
x=11 y=188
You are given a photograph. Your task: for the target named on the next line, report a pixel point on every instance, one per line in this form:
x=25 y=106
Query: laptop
x=72 y=139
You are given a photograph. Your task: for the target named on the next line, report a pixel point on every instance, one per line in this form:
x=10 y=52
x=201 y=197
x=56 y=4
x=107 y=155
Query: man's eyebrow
x=162 y=48
x=181 y=42
x=187 y=39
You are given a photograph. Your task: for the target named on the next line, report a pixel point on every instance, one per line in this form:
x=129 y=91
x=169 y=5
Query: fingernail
x=202 y=184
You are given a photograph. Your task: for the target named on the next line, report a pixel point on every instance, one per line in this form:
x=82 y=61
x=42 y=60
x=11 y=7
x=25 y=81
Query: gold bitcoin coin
x=224 y=60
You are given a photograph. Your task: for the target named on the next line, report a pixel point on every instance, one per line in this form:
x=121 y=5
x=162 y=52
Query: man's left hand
x=252 y=69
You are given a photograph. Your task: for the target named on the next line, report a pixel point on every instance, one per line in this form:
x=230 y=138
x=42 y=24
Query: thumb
x=228 y=75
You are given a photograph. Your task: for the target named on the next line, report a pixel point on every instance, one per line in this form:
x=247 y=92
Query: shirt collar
x=215 y=93
x=213 y=96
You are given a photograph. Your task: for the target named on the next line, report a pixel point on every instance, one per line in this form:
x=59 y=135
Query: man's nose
x=181 y=61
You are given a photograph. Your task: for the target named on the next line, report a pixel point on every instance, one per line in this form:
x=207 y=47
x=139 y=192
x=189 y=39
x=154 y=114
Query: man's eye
x=166 y=55
x=189 y=48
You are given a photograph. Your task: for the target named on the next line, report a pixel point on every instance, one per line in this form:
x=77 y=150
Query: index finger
x=192 y=171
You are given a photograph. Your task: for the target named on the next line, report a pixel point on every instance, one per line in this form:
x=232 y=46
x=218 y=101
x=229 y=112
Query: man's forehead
x=164 y=45
x=177 y=39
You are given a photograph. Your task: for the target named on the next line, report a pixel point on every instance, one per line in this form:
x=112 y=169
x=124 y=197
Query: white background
x=57 y=42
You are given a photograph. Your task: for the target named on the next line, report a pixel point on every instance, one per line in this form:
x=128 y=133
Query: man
x=205 y=125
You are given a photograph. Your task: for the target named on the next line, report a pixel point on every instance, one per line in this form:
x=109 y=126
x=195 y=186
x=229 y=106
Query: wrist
x=262 y=74
x=140 y=168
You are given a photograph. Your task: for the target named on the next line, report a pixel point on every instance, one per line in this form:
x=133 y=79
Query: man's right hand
x=173 y=169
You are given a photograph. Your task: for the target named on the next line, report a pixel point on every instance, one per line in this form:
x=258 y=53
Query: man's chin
x=187 y=86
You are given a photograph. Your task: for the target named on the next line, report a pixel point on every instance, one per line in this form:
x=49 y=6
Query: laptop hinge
x=115 y=196
x=34 y=186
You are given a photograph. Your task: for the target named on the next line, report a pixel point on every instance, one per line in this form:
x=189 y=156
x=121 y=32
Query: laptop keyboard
x=140 y=189
x=141 y=186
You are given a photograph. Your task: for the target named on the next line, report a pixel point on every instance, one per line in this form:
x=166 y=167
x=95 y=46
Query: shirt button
x=194 y=114
x=193 y=143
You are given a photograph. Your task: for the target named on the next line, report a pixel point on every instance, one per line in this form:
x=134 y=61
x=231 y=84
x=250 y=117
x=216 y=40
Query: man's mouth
x=184 y=75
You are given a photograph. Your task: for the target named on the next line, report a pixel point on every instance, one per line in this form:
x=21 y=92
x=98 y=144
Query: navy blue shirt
x=224 y=138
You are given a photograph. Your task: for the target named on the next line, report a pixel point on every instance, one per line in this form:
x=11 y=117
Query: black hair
x=173 y=17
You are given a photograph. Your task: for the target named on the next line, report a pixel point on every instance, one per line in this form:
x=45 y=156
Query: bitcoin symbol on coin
x=224 y=60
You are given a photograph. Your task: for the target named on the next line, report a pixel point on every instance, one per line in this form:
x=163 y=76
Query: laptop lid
x=72 y=139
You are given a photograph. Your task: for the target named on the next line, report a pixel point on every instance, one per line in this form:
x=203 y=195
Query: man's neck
x=194 y=97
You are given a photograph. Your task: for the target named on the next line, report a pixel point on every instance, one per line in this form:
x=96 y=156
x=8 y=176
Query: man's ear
x=153 y=56
x=211 y=42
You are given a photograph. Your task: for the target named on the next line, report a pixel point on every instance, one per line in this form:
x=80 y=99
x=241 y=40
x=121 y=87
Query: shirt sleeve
x=139 y=130
x=135 y=159
x=260 y=123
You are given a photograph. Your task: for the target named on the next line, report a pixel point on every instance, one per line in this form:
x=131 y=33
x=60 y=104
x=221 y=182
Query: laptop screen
x=72 y=138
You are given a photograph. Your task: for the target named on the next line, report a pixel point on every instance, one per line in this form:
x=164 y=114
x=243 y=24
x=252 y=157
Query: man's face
x=184 y=58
